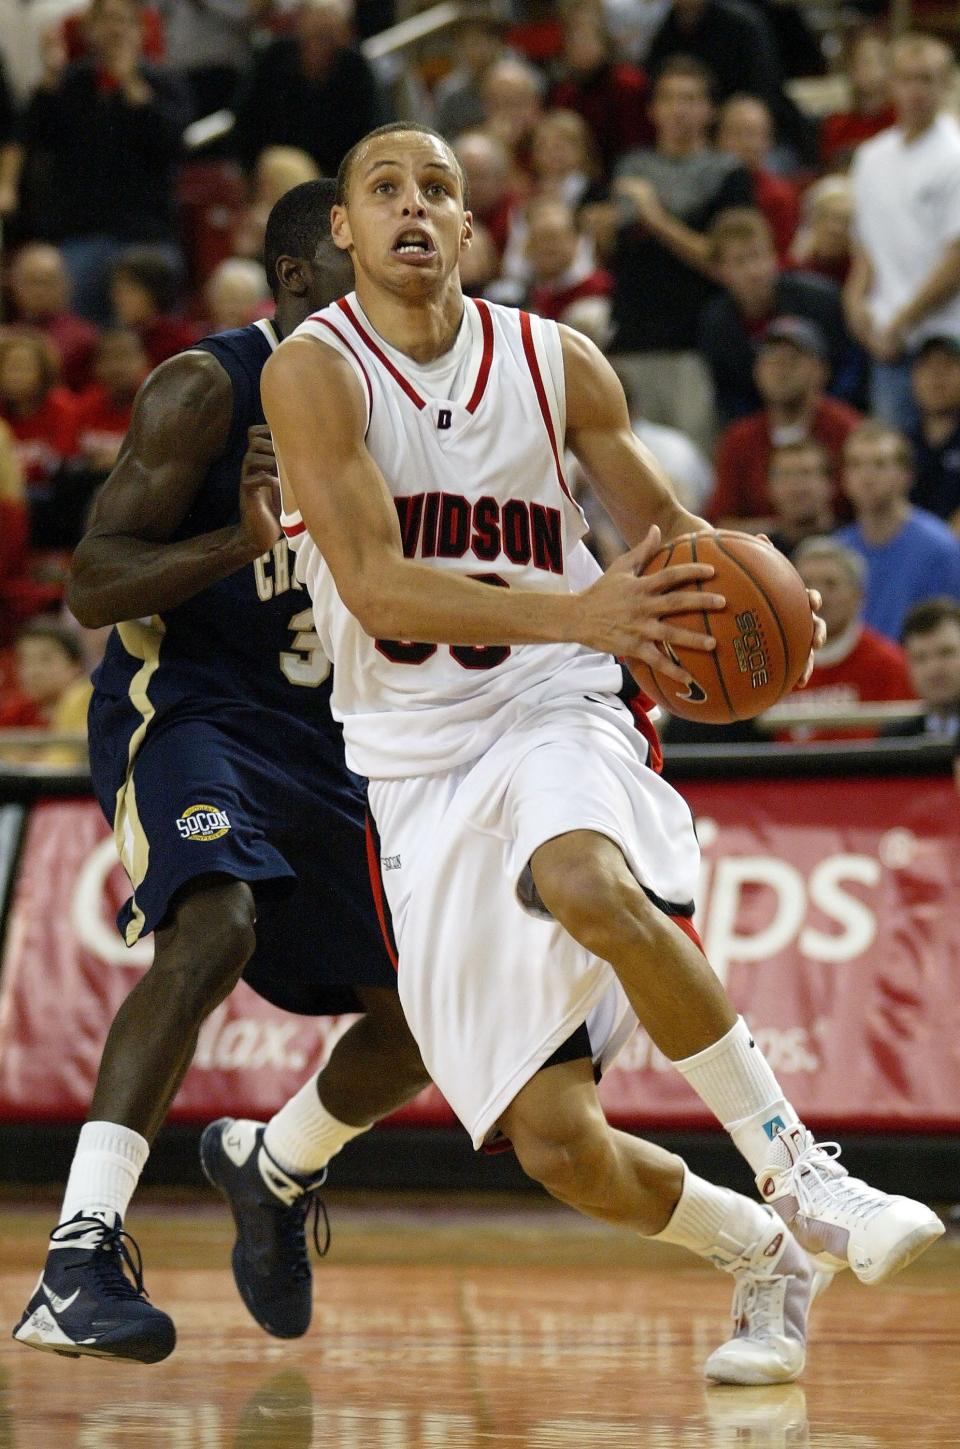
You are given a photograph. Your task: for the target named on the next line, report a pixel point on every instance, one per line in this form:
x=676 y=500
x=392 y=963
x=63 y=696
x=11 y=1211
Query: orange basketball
x=764 y=635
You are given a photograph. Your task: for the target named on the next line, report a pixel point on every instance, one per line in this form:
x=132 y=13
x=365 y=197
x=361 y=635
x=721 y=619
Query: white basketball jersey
x=478 y=483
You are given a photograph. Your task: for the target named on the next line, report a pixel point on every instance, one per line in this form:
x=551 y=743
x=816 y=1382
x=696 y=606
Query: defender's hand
x=260 y=491
x=628 y=615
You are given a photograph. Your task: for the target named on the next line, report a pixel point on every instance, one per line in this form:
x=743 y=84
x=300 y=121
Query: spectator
x=312 y=89
x=493 y=199
x=910 y=554
x=633 y=24
x=610 y=95
x=746 y=133
x=480 y=263
x=564 y=166
x=856 y=665
x=789 y=374
x=278 y=170
x=562 y=273
x=14 y=530
x=208 y=45
x=800 y=483
x=936 y=443
x=743 y=257
x=868 y=68
x=236 y=293
x=734 y=41
x=477 y=42
x=144 y=294
x=824 y=243
x=653 y=228
x=43 y=420
x=105 y=409
x=931 y=639
x=113 y=125
x=512 y=95
x=52 y=692
x=40 y=293
x=904 y=284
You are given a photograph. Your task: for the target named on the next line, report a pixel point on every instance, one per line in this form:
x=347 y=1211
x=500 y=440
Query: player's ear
x=340 y=228
x=293 y=276
x=466 y=231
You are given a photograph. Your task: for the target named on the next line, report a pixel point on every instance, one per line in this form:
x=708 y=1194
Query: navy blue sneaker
x=84 y=1303
x=271 y=1265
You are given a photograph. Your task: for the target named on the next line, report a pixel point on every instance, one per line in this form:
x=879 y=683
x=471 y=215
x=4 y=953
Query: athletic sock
x=734 y=1079
x=105 y=1171
x=714 y=1222
x=303 y=1136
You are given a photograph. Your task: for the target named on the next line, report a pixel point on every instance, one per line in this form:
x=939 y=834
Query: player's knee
x=569 y=1164
x=599 y=909
x=209 y=941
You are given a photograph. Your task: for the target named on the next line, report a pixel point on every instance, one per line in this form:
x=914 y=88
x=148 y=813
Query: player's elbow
x=370 y=595
x=84 y=600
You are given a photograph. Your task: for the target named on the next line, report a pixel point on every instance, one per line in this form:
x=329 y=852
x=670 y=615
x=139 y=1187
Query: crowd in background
x=758 y=223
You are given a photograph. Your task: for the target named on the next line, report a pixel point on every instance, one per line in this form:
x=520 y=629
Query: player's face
x=934 y=660
x=403 y=223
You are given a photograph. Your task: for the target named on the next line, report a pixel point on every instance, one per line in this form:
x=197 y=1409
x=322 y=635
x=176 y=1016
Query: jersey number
x=305 y=663
x=468 y=656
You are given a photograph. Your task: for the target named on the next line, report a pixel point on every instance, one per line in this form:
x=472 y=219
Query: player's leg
x=563 y=1141
x=585 y=882
x=84 y=1302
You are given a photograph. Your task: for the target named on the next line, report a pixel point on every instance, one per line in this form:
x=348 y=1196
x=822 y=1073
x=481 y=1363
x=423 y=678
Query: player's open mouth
x=414 y=245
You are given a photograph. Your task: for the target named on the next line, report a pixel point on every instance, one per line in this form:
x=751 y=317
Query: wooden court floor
x=471 y=1324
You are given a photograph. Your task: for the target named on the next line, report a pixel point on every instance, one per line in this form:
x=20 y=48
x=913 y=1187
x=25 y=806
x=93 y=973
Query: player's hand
x=260 y=491
x=629 y=615
x=819 y=635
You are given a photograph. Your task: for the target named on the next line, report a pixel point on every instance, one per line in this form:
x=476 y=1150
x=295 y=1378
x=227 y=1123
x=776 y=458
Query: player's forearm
x=403 y=599
x=116 y=577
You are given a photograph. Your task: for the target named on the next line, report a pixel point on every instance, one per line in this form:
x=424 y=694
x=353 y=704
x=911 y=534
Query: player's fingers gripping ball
x=764 y=634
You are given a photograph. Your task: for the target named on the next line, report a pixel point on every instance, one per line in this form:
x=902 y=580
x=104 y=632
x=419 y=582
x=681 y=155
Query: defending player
x=214 y=753
x=540 y=875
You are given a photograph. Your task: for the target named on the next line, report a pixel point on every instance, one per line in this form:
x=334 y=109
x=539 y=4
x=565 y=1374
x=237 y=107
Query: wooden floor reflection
x=442 y=1326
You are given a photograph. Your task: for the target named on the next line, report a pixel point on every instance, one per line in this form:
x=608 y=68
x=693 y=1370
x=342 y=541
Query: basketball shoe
x=839 y=1219
x=84 y=1303
x=271 y=1265
x=775 y=1285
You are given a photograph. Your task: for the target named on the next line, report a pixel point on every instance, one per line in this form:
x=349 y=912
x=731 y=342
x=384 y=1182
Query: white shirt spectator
x=906 y=197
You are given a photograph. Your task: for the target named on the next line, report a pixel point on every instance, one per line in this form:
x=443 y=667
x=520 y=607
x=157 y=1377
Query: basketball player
x=214 y=753
x=540 y=875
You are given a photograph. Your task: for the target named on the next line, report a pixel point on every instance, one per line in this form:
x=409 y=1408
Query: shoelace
x=816 y=1183
x=110 y=1256
x=292 y=1229
x=751 y=1306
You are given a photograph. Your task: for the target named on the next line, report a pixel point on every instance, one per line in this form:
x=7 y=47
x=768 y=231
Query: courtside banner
x=829 y=908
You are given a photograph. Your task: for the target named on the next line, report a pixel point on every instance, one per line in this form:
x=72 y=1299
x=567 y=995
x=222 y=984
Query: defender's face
x=404 y=223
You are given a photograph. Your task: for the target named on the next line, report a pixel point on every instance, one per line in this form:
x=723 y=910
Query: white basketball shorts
x=491 y=985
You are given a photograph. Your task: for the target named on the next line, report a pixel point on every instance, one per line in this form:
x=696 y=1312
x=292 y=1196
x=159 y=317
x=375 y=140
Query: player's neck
x=422 y=328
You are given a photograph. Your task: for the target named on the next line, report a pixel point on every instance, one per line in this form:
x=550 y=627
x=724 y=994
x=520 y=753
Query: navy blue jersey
x=248 y=639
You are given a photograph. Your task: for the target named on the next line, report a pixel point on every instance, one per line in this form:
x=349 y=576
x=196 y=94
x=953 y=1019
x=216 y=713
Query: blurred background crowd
x=752 y=206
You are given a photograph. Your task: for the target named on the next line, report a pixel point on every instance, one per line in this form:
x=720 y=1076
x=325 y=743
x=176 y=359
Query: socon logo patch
x=203 y=822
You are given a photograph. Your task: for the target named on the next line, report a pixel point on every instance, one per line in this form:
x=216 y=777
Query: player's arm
x=316 y=410
x=126 y=566
x=628 y=480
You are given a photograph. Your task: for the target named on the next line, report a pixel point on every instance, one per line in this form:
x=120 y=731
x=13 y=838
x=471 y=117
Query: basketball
x=764 y=635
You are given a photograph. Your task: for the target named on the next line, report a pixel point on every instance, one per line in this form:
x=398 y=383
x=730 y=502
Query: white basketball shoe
x=840 y=1220
x=775 y=1285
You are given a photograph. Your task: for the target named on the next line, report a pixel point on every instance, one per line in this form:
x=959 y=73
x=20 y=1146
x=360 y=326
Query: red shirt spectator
x=40 y=292
x=105 y=409
x=144 y=293
x=844 y=131
x=562 y=269
x=824 y=243
x=610 y=95
x=777 y=199
x=868 y=67
x=493 y=200
x=41 y=416
x=746 y=133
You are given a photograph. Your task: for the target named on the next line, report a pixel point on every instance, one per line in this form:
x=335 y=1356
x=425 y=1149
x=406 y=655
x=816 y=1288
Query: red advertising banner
x=828 y=907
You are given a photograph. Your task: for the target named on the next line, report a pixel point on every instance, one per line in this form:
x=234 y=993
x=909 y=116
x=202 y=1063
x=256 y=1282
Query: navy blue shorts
x=260 y=798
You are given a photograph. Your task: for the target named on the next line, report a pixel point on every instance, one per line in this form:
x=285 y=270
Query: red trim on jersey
x=353 y=353
x=380 y=355
x=529 y=352
x=376 y=886
x=689 y=929
x=296 y=530
x=486 y=323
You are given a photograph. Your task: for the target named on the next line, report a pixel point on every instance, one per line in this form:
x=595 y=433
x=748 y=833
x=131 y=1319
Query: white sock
x=734 y=1079
x=714 y=1222
x=105 y=1171
x=303 y=1136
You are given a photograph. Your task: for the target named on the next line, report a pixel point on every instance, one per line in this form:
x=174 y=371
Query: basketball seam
x=773 y=613
x=708 y=630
